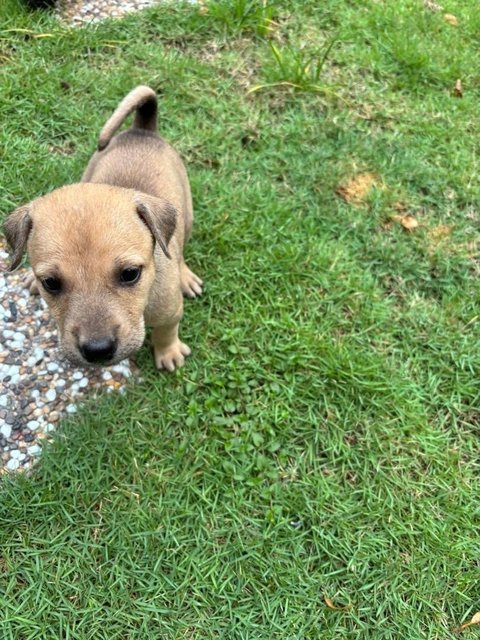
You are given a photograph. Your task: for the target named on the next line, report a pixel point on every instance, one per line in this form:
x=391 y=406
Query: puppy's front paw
x=191 y=283
x=30 y=283
x=173 y=357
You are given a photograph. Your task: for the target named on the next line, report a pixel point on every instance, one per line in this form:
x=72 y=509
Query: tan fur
x=132 y=208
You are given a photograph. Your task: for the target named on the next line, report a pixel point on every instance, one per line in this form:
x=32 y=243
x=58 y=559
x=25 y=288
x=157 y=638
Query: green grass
x=322 y=440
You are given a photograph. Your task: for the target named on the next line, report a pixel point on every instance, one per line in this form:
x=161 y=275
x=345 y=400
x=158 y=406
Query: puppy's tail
x=143 y=100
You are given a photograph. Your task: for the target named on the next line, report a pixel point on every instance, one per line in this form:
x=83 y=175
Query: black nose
x=101 y=350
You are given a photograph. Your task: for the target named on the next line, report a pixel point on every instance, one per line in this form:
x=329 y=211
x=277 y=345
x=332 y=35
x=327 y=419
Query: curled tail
x=143 y=100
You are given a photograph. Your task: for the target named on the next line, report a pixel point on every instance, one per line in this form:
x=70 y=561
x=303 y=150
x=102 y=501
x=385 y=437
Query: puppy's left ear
x=160 y=217
x=17 y=228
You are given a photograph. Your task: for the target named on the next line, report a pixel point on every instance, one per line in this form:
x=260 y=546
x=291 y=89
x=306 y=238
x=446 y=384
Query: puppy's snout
x=99 y=350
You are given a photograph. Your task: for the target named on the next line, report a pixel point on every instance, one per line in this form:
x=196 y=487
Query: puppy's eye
x=130 y=275
x=52 y=285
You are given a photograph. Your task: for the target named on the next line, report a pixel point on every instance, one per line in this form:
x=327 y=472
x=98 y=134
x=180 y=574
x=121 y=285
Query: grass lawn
x=320 y=447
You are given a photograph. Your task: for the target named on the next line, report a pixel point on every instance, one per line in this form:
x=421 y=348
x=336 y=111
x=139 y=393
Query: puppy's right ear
x=17 y=228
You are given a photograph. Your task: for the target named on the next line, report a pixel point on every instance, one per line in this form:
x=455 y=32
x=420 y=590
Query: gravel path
x=37 y=388
x=78 y=11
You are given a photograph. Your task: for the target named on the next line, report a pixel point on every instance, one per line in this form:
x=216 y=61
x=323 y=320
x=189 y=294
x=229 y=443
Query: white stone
x=12 y=369
x=12 y=465
x=83 y=383
x=71 y=408
x=51 y=395
x=52 y=367
x=34 y=450
x=122 y=368
x=6 y=430
x=33 y=424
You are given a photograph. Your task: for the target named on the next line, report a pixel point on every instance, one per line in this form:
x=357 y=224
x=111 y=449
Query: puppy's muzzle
x=98 y=351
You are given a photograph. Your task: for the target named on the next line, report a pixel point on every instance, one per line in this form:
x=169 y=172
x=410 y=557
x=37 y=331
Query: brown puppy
x=107 y=253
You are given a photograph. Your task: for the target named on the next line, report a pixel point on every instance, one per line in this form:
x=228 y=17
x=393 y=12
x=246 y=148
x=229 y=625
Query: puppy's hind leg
x=191 y=284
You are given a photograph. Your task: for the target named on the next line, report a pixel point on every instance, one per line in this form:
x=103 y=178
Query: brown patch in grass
x=440 y=232
x=357 y=188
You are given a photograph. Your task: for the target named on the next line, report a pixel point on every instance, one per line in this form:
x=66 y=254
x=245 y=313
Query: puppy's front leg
x=190 y=282
x=170 y=352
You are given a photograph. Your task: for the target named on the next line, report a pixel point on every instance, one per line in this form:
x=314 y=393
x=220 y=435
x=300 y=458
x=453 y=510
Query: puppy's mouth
x=77 y=360
x=97 y=360
x=100 y=349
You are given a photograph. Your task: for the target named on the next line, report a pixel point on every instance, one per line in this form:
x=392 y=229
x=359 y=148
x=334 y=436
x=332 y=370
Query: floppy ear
x=160 y=217
x=17 y=228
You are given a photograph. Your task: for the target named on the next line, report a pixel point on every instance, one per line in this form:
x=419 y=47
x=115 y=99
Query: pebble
x=12 y=464
x=34 y=450
x=6 y=430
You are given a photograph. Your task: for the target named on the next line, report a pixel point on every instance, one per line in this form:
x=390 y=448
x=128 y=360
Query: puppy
x=107 y=253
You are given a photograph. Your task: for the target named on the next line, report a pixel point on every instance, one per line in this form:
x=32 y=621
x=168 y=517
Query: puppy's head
x=91 y=248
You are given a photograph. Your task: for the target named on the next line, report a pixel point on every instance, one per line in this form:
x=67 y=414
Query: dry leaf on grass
x=458 y=89
x=407 y=221
x=357 y=188
x=474 y=620
x=335 y=607
x=451 y=19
